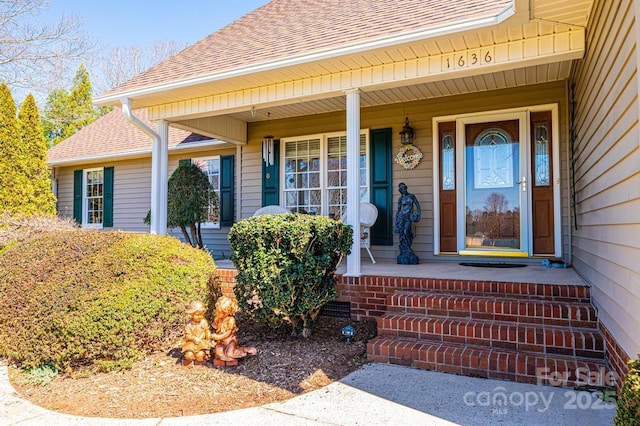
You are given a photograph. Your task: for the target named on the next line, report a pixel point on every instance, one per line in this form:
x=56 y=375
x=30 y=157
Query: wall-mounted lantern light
x=406 y=135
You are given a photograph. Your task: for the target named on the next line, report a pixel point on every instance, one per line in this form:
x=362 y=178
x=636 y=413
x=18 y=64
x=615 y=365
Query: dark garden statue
x=408 y=213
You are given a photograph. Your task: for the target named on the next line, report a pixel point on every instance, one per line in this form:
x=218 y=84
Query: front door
x=495 y=189
x=496 y=184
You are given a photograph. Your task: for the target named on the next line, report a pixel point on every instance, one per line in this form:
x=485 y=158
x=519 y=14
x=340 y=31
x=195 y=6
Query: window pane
x=448 y=162
x=211 y=167
x=93 y=196
x=302 y=188
x=542 y=170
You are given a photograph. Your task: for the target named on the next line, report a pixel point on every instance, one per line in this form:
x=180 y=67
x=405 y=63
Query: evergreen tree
x=40 y=198
x=56 y=116
x=13 y=189
x=67 y=112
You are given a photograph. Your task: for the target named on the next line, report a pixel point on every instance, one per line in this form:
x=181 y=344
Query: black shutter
x=107 y=213
x=77 y=196
x=227 y=202
x=271 y=179
x=381 y=186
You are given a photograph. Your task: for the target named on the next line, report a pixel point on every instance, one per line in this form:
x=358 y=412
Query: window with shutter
x=220 y=171
x=93 y=197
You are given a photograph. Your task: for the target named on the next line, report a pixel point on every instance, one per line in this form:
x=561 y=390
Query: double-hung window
x=93 y=197
x=211 y=167
x=220 y=171
x=315 y=173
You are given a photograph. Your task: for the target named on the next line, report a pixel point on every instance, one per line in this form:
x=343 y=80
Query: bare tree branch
x=35 y=54
x=125 y=62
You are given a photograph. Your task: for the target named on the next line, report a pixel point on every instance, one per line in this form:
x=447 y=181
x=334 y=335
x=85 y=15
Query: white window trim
x=324 y=152
x=85 y=200
x=211 y=225
x=482 y=116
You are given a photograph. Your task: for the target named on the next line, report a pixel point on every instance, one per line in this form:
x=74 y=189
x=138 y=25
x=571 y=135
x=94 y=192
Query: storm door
x=495 y=219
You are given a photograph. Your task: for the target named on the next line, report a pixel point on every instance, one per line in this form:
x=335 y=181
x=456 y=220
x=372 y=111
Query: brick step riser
x=557 y=341
x=557 y=292
x=521 y=311
x=486 y=363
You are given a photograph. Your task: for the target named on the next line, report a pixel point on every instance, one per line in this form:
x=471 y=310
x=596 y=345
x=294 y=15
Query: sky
x=122 y=23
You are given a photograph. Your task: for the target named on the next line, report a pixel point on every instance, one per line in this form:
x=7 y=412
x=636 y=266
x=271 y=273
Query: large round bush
x=286 y=265
x=96 y=299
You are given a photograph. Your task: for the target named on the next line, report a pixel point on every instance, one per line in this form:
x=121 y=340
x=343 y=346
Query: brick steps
x=555 y=292
x=468 y=360
x=534 y=311
x=582 y=342
x=525 y=332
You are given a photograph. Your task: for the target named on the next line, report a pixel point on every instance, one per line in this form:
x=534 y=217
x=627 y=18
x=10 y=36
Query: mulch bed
x=159 y=386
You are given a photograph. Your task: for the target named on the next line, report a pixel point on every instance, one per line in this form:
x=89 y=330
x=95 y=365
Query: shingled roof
x=113 y=135
x=285 y=29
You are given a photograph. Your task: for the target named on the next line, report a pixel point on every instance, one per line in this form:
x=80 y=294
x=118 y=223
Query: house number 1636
x=468 y=59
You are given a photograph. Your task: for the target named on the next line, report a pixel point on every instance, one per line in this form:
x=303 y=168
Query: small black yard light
x=348 y=332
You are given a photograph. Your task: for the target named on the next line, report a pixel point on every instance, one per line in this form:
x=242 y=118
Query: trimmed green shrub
x=286 y=265
x=628 y=410
x=96 y=300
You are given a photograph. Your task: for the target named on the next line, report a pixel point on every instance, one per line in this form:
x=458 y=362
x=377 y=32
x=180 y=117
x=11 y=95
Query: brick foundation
x=616 y=356
x=227 y=281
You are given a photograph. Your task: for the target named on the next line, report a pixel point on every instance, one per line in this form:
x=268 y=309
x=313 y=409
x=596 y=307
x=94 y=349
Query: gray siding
x=132 y=196
x=606 y=246
x=131 y=192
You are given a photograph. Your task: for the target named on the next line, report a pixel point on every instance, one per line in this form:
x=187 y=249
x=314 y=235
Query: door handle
x=523 y=182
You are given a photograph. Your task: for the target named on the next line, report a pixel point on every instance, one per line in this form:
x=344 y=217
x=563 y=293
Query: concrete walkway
x=373 y=395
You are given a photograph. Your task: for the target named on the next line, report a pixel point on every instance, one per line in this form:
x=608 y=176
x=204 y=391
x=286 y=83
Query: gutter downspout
x=159 y=162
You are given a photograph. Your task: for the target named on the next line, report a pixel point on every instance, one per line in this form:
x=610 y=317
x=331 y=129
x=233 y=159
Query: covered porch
x=503 y=66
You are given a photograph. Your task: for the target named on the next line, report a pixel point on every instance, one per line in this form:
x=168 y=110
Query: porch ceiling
x=575 y=12
x=504 y=56
x=476 y=83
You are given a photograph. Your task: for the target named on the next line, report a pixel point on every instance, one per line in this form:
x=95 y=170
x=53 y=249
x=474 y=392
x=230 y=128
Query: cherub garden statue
x=197 y=335
x=226 y=342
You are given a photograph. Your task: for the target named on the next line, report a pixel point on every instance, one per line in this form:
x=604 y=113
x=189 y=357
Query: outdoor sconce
x=267 y=146
x=406 y=135
x=348 y=332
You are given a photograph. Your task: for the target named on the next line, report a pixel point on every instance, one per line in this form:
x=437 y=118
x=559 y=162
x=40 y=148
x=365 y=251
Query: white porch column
x=161 y=159
x=353 y=178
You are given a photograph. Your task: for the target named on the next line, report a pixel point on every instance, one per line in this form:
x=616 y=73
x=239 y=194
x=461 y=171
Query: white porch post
x=353 y=178
x=161 y=160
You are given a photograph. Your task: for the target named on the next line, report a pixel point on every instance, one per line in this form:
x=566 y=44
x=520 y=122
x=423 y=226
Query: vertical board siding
x=606 y=245
x=420 y=179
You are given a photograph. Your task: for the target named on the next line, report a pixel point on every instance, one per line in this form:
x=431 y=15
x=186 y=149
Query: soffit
x=473 y=84
x=574 y=12
x=498 y=35
x=508 y=48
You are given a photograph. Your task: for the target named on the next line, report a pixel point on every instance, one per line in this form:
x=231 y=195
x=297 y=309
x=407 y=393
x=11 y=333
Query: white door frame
x=522 y=114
